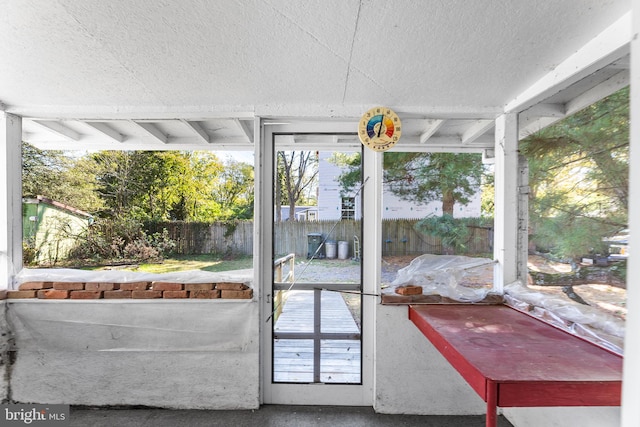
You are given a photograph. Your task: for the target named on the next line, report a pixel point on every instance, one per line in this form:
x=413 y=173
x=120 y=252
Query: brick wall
x=133 y=290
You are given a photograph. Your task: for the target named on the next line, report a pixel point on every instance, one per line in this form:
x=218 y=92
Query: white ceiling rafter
x=59 y=129
x=247 y=128
x=609 y=86
x=152 y=130
x=476 y=130
x=106 y=130
x=433 y=127
x=198 y=130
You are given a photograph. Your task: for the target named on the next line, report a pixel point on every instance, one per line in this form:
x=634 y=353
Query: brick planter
x=135 y=290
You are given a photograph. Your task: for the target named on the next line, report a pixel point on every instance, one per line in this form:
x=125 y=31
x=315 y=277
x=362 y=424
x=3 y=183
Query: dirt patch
x=610 y=299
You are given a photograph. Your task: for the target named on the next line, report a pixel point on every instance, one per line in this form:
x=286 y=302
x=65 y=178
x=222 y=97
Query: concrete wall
x=205 y=355
x=173 y=354
x=412 y=376
x=5 y=341
x=564 y=417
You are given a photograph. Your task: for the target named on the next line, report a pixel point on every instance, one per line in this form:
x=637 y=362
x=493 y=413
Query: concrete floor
x=267 y=416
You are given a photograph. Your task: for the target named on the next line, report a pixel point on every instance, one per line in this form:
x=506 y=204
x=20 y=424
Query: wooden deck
x=340 y=359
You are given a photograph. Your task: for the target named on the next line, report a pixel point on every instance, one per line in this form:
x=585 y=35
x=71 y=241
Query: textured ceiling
x=199 y=60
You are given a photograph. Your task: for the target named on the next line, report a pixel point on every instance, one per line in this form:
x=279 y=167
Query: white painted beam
x=538 y=117
x=506 y=201
x=542 y=115
x=544 y=110
x=431 y=130
x=10 y=198
x=604 y=89
x=58 y=129
x=608 y=46
x=198 y=130
x=631 y=370
x=246 y=128
x=153 y=130
x=106 y=130
x=476 y=130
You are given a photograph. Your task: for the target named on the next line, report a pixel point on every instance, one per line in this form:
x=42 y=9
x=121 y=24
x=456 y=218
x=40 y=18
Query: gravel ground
x=345 y=271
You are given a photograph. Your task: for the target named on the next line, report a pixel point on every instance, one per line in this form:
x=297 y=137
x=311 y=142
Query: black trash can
x=315 y=241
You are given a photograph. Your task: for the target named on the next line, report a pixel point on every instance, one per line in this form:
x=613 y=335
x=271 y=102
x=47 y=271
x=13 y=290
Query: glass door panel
x=316 y=335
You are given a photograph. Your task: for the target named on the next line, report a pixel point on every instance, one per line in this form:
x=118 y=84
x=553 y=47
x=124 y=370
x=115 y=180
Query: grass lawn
x=207 y=262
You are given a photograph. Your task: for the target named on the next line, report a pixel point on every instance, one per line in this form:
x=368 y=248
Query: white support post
x=506 y=201
x=631 y=370
x=523 y=218
x=371 y=258
x=10 y=198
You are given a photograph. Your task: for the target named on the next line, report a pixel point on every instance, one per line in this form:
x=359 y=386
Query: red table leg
x=492 y=404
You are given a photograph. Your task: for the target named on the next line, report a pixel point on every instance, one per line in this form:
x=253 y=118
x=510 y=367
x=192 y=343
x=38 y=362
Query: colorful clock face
x=379 y=128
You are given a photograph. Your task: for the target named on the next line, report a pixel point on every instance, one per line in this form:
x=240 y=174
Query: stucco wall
x=5 y=340
x=564 y=417
x=173 y=354
x=412 y=376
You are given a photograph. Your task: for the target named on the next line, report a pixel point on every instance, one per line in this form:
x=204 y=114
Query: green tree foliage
x=234 y=191
x=579 y=180
x=142 y=185
x=57 y=175
x=164 y=185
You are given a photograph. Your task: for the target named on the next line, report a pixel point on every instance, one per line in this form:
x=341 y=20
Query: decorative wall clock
x=379 y=128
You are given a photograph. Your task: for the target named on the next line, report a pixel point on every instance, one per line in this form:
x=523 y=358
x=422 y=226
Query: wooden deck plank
x=340 y=360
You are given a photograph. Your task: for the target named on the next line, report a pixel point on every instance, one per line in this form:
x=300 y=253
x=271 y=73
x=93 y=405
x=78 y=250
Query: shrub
x=121 y=240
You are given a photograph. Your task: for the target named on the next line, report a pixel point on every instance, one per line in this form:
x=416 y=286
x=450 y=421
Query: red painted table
x=512 y=359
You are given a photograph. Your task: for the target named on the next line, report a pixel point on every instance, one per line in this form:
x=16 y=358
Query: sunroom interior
x=220 y=76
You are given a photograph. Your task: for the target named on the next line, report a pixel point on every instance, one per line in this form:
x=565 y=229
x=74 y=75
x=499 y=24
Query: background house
x=50 y=229
x=334 y=205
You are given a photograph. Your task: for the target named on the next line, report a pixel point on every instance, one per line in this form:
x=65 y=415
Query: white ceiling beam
x=430 y=130
x=476 y=130
x=198 y=130
x=542 y=115
x=106 y=130
x=152 y=130
x=604 y=89
x=609 y=46
x=544 y=110
x=247 y=128
x=59 y=129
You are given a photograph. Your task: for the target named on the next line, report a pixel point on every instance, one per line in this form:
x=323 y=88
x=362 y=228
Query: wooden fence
x=399 y=237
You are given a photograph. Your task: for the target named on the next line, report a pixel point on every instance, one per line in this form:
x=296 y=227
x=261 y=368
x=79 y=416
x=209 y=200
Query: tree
x=578 y=177
x=424 y=177
x=59 y=176
x=297 y=171
x=234 y=190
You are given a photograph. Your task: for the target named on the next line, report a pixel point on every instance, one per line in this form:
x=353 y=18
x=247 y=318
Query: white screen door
x=315 y=345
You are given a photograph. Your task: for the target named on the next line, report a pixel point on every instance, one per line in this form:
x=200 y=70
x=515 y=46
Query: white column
x=371 y=255
x=10 y=198
x=506 y=201
x=631 y=379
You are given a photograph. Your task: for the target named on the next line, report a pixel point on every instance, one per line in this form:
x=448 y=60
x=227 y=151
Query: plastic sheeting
x=585 y=321
x=122 y=276
x=459 y=278
x=450 y=276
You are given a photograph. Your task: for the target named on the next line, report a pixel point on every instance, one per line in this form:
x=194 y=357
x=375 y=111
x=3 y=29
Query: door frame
x=316 y=394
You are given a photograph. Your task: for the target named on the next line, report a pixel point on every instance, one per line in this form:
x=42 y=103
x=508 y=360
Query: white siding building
x=333 y=205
